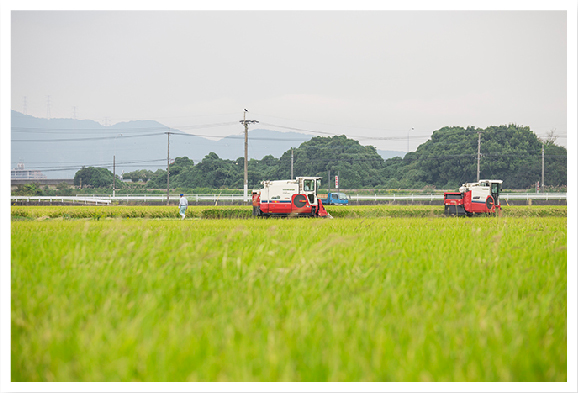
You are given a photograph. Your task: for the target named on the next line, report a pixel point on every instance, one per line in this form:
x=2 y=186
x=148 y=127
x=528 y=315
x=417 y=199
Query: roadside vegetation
x=170 y=212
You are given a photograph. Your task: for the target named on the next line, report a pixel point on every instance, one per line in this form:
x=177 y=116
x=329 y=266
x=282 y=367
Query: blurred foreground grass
x=394 y=299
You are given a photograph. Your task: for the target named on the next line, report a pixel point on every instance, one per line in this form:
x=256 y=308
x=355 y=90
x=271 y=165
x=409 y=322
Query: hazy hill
x=59 y=147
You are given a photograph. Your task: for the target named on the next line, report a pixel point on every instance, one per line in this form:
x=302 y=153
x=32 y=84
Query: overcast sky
x=359 y=73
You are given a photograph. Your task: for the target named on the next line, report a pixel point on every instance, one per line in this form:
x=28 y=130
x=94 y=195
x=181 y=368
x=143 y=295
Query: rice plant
x=371 y=299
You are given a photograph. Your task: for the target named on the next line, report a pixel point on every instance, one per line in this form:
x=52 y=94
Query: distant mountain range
x=60 y=147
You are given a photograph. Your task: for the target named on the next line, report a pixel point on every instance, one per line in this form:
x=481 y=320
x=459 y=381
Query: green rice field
x=209 y=212
x=390 y=296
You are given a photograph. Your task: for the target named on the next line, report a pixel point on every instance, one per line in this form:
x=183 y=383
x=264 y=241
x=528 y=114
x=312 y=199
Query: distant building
x=20 y=173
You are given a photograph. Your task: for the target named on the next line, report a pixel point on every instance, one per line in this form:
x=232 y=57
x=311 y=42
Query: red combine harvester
x=289 y=198
x=474 y=198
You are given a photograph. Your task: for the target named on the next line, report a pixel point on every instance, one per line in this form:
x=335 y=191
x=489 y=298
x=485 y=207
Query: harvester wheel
x=489 y=202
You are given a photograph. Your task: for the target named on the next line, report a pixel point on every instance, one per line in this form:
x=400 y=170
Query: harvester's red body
x=289 y=198
x=474 y=198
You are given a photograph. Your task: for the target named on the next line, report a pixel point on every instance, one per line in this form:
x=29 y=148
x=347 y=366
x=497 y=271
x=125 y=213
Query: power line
x=234 y=137
x=84 y=130
x=411 y=156
x=327 y=124
x=344 y=150
x=341 y=159
x=191 y=127
x=76 y=165
x=381 y=138
x=127 y=129
x=82 y=139
x=194 y=127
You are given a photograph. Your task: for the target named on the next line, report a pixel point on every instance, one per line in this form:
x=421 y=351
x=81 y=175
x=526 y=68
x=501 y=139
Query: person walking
x=183 y=204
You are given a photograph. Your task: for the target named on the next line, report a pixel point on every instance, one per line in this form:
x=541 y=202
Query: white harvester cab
x=482 y=189
x=309 y=187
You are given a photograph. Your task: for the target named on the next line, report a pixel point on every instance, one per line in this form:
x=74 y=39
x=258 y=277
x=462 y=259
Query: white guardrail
x=62 y=199
x=107 y=199
x=432 y=197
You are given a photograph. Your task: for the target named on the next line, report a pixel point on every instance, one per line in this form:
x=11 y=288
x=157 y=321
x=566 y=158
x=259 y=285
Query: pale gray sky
x=358 y=73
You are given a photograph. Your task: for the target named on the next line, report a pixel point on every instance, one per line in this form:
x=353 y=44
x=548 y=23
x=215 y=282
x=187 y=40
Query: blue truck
x=334 y=198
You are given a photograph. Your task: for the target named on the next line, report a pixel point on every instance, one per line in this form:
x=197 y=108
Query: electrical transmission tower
x=246 y=173
x=48 y=107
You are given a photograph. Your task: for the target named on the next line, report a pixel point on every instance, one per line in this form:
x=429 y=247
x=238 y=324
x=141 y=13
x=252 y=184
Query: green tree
x=64 y=189
x=211 y=172
x=158 y=179
x=31 y=189
x=134 y=176
x=139 y=174
x=358 y=166
x=555 y=165
x=146 y=174
x=93 y=177
x=511 y=153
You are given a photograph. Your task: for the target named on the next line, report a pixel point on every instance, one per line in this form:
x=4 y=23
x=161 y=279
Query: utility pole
x=328 y=181
x=479 y=144
x=168 y=137
x=113 y=164
x=246 y=173
x=291 y=163
x=113 y=175
x=543 y=165
x=408 y=139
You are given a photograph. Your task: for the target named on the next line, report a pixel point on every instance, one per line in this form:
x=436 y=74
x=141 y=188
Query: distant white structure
x=20 y=173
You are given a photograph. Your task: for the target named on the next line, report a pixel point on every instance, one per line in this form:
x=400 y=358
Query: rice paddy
x=388 y=298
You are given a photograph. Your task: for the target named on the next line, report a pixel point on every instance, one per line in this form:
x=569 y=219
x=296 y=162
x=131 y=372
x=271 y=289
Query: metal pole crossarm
x=246 y=171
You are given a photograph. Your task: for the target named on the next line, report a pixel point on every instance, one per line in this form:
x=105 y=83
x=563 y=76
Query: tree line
x=509 y=152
